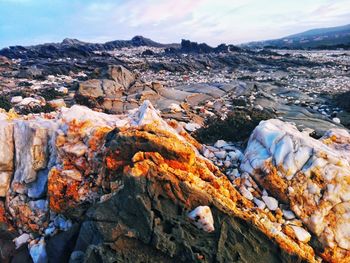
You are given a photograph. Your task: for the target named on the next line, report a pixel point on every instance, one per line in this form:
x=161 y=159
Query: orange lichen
x=97 y=138
x=62 y=192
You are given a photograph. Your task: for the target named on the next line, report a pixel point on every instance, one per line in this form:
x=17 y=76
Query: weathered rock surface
x=127 y=188
x=310 y=175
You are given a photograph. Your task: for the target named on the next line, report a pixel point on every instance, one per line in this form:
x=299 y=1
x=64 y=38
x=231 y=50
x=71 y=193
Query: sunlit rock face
x=312 y=176
x=139 y=179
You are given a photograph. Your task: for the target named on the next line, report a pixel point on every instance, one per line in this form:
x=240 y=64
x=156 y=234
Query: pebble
x=234 y=155
x=22 y=239
x=16 y=99
x=191 y=127
x=175 y=107
x=336 y=120
x=38 y=252
x=202 y=218
x=301 y=234
x=220 y=144
x=271 y=203
x=227 y=164
x=259 y=203
x=288 y=214
x=259 y=107
x=246 y=193
x=63 y=90
x=220 y=154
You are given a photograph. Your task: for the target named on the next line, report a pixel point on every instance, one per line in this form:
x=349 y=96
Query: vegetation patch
x=5 y=103
x=237 y=126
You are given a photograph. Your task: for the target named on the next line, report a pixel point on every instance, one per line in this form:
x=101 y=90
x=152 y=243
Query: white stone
x=38 y=252
x=175 y=107
x=260 y=204
x=191 y=127
x=336 y=120
x=22 y=239
x=57 y=103
x=271 y=202
x=16 y=99
x=301 y=234
x=220 y=154
x=247 y=194
x=288 y=214
x=202 y=218
x=63 y=90
x=259 y=107
x=220 y=144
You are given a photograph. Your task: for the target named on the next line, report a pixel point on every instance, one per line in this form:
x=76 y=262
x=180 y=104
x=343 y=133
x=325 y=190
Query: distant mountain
x=320 y=38
x=188 y=46
x=76 y=49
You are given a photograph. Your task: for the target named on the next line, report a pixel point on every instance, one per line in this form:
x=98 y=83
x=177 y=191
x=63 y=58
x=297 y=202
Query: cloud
x=214 y=22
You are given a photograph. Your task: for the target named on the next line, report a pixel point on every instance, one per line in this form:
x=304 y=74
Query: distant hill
x=75 y=48
x=320 y=38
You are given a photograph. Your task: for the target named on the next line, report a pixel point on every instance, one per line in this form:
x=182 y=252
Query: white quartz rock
x=301 y=234
x=336 y=120
x=16 y=99
x=192 y=126
x=6 y=156
x=220 y=144
x=220 y=154
x=202 y=218
x=175 y=107
x=288 y=214
x=246 y=193
x=322 y=168
x=259 y=203
x=271 y=202
x=22 y=239
x=38 y=252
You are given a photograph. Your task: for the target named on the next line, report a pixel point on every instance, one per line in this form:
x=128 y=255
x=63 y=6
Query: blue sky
x=25 y=22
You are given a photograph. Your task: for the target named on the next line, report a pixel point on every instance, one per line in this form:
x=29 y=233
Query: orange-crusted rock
x=157 y=191
x=310 y=175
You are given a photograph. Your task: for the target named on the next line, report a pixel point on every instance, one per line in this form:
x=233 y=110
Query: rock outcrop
x=311 y=176
x=135 y=188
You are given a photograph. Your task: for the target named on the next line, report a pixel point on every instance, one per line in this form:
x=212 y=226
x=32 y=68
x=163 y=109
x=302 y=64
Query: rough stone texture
x=311 y=175
x=148 y=212
x=131 y=181
x=6 y=156
x=31 y=151
x=120 y=75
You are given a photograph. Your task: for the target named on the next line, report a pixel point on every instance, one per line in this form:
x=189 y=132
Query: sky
x=26 y=22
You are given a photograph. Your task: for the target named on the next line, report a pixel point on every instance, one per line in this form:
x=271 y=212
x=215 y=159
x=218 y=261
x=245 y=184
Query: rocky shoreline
x=181 y=153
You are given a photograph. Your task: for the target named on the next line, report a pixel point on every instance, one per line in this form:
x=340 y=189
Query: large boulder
x=310 y=175
x=119 y=74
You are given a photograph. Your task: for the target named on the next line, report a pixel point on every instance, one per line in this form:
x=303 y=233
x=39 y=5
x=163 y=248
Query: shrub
x=237 y=126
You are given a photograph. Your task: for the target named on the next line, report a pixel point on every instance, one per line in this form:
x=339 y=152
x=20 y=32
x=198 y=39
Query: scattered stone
x=38 y=252
x=202 y=218
x=288 y=214
x=16 y=99
x=57 y=103
x=301 y=234
x=271 y=203
x=22 y=239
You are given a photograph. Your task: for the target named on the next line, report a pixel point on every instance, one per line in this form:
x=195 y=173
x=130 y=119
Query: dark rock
x=60 y=246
